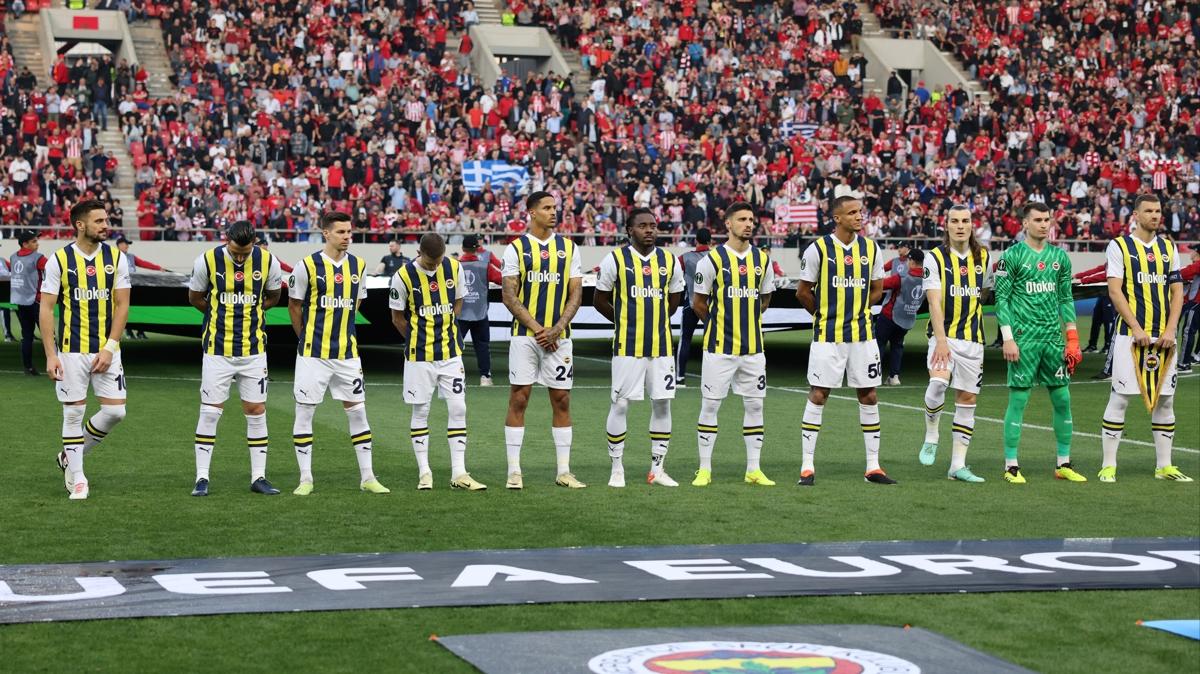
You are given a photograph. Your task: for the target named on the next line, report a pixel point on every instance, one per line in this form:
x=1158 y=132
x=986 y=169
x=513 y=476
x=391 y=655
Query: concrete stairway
x=122 y=189
x=489 y=11
x=27 y=48
x=152 y=55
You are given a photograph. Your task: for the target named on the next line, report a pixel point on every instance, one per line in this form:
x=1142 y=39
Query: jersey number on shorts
x=979 y=384
x=762 y=382
x=358 y=387
x=456 y=385
x=120 y=382
x=562 y=373
x=873 y=371
x=262 y=386
x=669 y=380
x=1061 y=372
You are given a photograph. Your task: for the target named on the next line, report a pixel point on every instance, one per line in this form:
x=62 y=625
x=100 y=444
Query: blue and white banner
x=498 y=173
x=790 y=128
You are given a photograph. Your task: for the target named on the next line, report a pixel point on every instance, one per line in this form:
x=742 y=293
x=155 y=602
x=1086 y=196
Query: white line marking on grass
x=1081 y=434
x=282 y=381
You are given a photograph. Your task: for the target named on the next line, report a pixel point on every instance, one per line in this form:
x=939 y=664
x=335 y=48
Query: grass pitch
x=140 y=509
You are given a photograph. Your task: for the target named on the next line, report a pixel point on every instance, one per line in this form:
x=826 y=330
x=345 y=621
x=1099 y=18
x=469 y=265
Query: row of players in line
x=639 y=288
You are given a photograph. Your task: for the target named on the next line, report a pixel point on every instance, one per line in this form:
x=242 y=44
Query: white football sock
x=206 y=436
x=868 y=418
x=1162 y=426
x=660 y=434
x=302 y=439
x=514 y=437
x=72 y=439
x=100 y=425
x=752 y=431
x=256 y=440
x=706 y=430
x=810 y=429
x=1112 y=426
x=615 y=427
x=456 y=435
x=418 y=433
x=360 y=435
x=964 y=428
x=562 y=447
x=935 y=401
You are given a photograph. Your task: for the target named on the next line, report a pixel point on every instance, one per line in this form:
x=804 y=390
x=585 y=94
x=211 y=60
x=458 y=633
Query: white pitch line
x=1081 y=434
x=272 y=382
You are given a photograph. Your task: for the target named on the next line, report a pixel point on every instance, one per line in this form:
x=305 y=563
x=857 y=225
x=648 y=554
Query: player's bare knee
x=560 y=400
x=818 y=395
x=868 y=396
x=254 y=409
x=965 y=398
x=518 y=399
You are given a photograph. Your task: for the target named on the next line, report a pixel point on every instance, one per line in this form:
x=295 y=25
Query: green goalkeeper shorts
x=1041 y=364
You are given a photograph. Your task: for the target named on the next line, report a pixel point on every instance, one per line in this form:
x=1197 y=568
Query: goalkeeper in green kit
x=1036 y=312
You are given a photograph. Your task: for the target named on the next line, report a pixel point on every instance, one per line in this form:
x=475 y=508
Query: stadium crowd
x=288 y=108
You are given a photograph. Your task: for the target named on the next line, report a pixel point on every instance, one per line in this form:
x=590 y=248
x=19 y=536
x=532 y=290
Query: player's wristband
x=112 y=346
x=1006 y=332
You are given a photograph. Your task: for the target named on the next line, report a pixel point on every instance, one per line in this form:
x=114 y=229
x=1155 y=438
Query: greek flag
x=499 y=173
x=790 y=128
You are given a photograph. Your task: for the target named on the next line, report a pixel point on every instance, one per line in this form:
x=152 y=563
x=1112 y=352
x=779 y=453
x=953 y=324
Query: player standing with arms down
x=426 y=298
x=543 y=287
x=93 y=281
x=732 y=290
x=639 y=289
x=1147 y=293
x=1035 y=307
x=957 y=274
x=233 y=285
x=841 y=276
x=324 y=292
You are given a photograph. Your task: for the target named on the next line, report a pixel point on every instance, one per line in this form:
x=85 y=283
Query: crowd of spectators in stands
x=372 y=106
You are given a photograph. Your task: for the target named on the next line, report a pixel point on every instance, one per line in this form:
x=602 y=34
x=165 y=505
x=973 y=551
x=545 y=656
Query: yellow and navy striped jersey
x=842 y=276
x=330 y=292
x=544 y=270
x=85 y=287
x=734 y=286
x=641 y=288
x=1147 y=271
x=429 y=300
x=962 y=282
x=233 y=325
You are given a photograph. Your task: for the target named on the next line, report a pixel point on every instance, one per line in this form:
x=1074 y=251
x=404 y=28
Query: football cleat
x=1108 y=474
x=201 y=488
x=963 y=474
x=80 y=491
x=878 y=477
x=617 y=479
x=261 y=486
x=1170 y=473
x=757 y=477
x=68 y=476
x=1012 y=475
x=425 y=481
x=703 y=478
x=1066 y=472
x=928 y=453
x=569 y=481
x=662 y=479
x=465 y=481
x=304 y=489
x=373 y=486
x=808 y=478
x=514 y=481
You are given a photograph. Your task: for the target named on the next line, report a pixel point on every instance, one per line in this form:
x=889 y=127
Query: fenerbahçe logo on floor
x=728 y=657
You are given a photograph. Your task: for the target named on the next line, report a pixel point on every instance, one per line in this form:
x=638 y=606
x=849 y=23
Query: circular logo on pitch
x=1041 y=266
x=748 y=656
x=337 y=278
x=257 y=275
x=646 y=270
x=108 y=269
x=239 y=276
x=545 y=255
x=91 y=271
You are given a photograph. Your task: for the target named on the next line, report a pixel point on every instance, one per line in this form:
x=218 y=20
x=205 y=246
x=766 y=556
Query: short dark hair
x=640 y=210
x=432 y=245
x=838 y=202
x=916 y=255
x=534 y=199
x=395 y=240
x=328 y=218
x=1031 y=206
x=1143 y=198
x=80 y=210
x=739 y=206
x=703 y=236
x=240 y=232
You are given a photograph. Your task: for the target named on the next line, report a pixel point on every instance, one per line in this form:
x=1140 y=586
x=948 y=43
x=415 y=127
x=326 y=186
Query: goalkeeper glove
x=1073 y=356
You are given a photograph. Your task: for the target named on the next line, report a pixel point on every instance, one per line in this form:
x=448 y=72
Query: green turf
x=139 y=509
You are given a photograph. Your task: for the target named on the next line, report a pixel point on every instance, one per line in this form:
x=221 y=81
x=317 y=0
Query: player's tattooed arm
x=574 y=300
x=270 y=298
x=508 y=293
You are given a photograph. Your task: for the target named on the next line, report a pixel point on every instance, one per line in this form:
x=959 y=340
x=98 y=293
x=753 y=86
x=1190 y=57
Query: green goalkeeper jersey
x=1033 y=293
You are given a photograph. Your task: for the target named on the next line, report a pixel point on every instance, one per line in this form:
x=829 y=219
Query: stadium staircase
x=27 y=48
